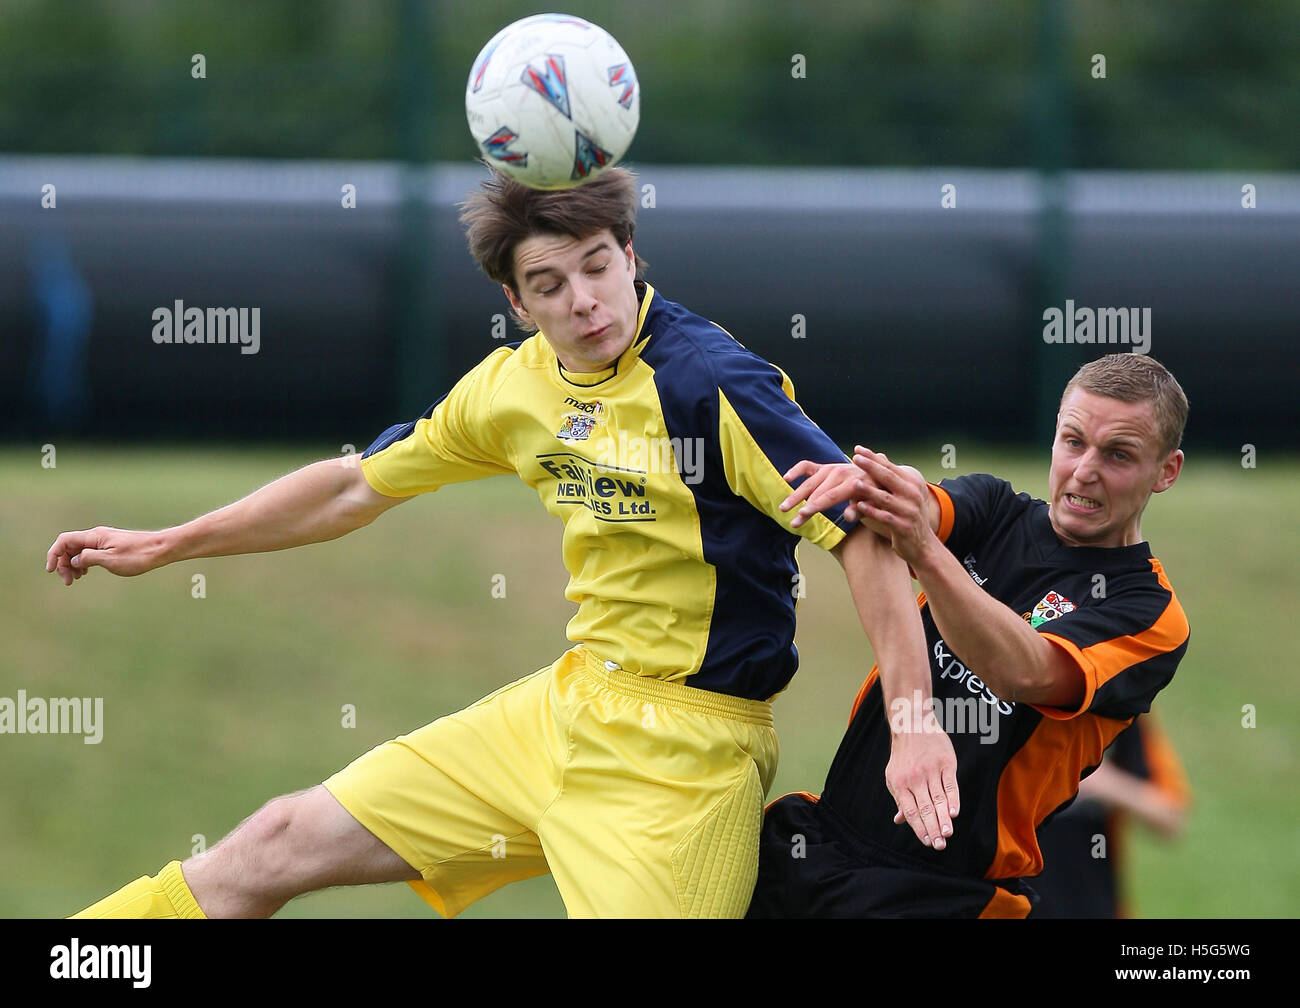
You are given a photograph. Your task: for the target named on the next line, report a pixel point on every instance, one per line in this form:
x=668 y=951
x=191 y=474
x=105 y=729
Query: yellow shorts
x=643 y=798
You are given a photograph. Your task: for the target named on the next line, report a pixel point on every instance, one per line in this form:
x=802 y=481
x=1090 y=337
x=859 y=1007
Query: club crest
x=1053 y=606
x=579 y=424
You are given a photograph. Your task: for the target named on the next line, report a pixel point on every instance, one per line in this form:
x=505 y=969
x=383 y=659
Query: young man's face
x=579 y=292
x=1106 y=463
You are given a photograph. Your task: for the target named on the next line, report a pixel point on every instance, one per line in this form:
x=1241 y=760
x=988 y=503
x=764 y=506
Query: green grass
x=214 y=705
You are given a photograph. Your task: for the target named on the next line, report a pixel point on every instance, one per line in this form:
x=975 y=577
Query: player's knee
x=268 y=844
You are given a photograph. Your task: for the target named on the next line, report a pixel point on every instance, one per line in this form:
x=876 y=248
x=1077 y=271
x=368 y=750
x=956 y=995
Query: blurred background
x=882 y=198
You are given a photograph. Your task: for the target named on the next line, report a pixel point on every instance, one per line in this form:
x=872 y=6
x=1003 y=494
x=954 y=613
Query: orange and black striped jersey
x=1112 y=610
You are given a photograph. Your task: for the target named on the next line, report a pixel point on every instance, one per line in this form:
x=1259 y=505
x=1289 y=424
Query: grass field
x=214 y=705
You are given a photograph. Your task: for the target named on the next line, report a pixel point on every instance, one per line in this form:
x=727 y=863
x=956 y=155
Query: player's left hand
x=823 y=486
x=922 y=777
x=892 y=502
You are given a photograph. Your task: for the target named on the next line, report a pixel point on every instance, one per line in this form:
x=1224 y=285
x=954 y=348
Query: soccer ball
x=552 y=100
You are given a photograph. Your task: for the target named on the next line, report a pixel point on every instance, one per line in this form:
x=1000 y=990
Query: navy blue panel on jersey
x=754 y=607
x=397 y=432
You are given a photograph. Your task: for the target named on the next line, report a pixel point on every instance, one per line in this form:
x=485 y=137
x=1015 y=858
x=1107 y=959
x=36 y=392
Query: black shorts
x=812 y=864
x=1074 y=882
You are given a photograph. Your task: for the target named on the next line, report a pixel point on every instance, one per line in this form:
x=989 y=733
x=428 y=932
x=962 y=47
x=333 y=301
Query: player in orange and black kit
x=1141 y=778
x=1049 y=627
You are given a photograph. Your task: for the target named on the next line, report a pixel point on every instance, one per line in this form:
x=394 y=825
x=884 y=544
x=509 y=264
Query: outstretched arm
x=922 y=770
x=1016 y=662
x=1143 y=799
x=319 y=502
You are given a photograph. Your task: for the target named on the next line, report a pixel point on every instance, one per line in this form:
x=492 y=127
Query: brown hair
x=502 y=213
x=1137 y=378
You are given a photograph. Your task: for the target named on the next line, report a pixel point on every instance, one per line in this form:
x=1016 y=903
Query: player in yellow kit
x=633 y=768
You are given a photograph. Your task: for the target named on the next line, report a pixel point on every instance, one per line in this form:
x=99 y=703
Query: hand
x=1117 y=789
x=1162 y=814
x=116 y=550
x=892 y=501
x=823 y=486
x=922 y=777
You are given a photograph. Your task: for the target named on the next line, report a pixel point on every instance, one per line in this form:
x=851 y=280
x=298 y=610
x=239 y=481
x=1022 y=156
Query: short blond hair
x=1137 y=378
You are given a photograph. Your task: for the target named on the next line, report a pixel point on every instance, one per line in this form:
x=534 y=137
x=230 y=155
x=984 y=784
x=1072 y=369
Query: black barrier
x=900 y=302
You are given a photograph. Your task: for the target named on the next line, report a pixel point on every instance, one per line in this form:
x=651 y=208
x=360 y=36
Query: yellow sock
x=164 y=896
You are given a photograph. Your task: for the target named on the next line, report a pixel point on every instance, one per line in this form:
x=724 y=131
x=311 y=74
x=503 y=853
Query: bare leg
x=293 y=845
